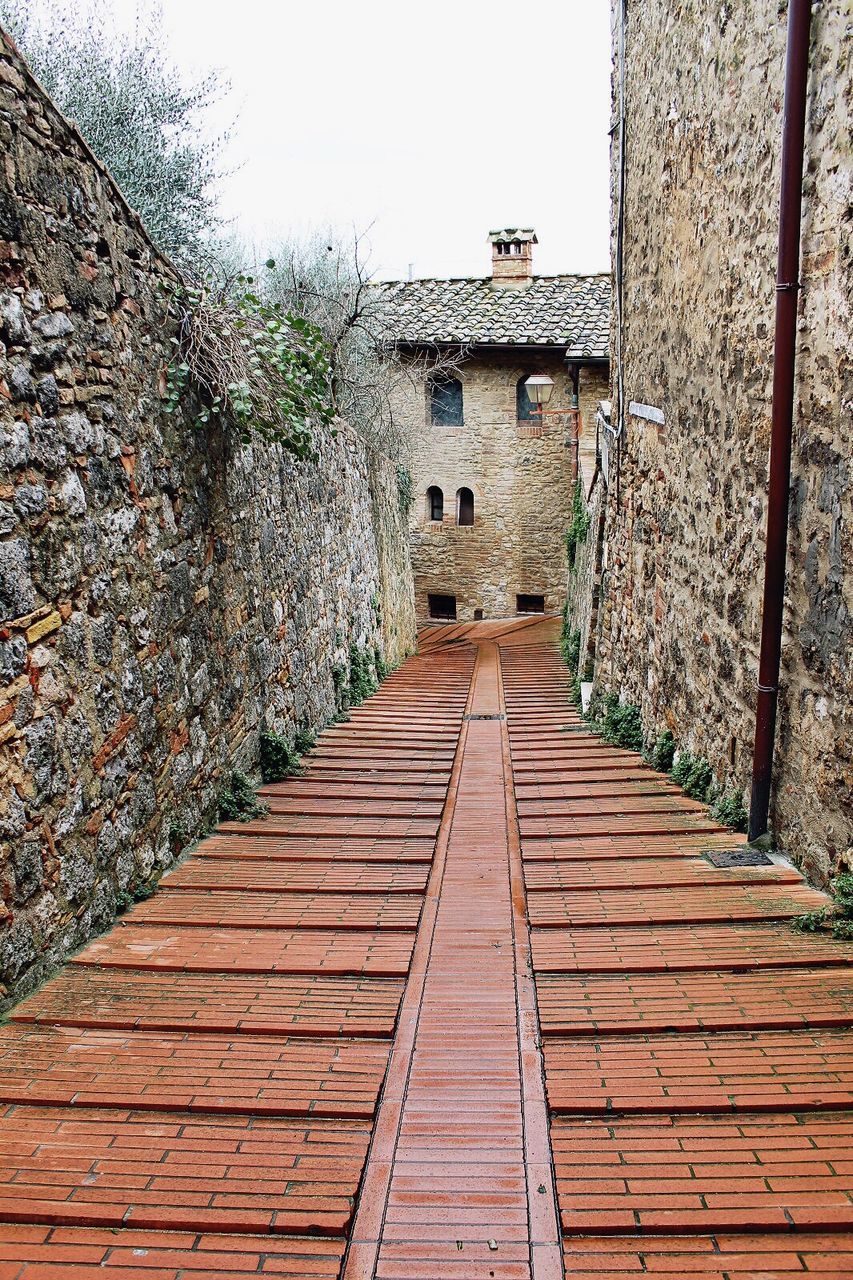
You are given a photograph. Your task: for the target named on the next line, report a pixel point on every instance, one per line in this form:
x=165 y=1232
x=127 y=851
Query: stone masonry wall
x=521 y=478
x=163 y=594
x=685 y=533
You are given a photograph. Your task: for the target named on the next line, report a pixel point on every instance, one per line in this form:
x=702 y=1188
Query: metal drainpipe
x=787 y=292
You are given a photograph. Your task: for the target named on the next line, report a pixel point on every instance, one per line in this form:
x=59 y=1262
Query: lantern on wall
x=539 y=388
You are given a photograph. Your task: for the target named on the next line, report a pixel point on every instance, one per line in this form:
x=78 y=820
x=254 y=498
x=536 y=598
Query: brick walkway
x=697 y=1069
x=316 y=1050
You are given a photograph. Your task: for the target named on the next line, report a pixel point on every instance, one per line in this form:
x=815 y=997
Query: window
x=464 y=506
x=445 y=402
x=523 y=404
x=478 y=615
x=530 y=604
x=435 y=503
x=442 y=607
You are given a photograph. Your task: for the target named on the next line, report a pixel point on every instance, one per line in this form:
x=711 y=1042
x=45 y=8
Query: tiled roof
x=569 y=311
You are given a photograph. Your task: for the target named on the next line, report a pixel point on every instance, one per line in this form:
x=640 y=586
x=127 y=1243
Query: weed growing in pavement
x=278 y=759
x=695 y=776
x=728 y=809
x=838 y=915
x=239 y=802
x=621 y=725
x=662 y=752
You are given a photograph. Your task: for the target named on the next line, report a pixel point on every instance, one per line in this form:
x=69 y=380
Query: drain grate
x=497 y=717
x=738 y=858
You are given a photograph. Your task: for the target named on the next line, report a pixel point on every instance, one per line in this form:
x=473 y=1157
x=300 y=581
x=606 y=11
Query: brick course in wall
x=680 y=618
x=164 y=594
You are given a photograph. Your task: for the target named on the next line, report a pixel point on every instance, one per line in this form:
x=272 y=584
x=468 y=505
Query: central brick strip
x=459 y=1179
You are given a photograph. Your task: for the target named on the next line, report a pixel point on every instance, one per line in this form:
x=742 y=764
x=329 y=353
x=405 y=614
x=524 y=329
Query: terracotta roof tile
x=568 y=310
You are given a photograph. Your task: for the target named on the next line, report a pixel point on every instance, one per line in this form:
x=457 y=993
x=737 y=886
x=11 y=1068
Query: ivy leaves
x=245 y=361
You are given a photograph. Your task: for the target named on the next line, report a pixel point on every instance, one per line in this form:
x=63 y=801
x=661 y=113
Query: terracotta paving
x=469 y=1003
x=195 y=1094
x=698 y=1056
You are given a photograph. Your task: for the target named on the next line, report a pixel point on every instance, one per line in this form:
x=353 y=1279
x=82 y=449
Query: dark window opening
x=445 y=402
x=442 y=607
x=478 y=615
x=524 y=410
x=464 y=506
x=435 y=503
x=530 y=604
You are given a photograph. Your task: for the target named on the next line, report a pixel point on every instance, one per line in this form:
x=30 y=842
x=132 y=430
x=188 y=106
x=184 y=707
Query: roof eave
x=562 y=349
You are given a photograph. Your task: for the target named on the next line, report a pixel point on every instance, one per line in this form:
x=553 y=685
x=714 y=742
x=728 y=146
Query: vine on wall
x=244 y=360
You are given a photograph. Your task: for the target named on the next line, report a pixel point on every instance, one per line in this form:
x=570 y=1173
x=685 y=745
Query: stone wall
x=521 y=477
x=685 y=522
x=164 y=594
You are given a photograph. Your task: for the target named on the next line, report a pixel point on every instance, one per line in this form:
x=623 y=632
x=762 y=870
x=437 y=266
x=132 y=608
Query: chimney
x=512 y=257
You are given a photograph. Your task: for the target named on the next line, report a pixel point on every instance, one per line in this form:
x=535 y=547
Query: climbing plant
x=239 y=359
x=405 y=489
x=579 y=527
x=362 y=679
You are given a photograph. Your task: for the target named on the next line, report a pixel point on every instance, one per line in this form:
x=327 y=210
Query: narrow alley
x=473 y=1000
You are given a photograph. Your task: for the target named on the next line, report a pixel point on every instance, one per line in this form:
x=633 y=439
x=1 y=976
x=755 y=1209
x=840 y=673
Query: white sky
x=428 y=122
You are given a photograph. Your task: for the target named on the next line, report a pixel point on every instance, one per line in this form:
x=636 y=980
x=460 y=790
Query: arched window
x=435 y=503
x=445 y=401
x=523 y=404
x=464 y=506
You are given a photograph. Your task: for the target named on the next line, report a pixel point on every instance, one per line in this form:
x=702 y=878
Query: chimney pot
x=512 y=257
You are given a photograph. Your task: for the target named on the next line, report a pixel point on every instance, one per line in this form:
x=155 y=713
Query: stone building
x=668 y=596
x=493 y=482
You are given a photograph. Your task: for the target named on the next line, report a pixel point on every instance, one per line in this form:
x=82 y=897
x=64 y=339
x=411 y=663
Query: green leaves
x=728 y=809
x=695 y=776
x=621 y=725
x=278 y=759
x=405 y=489
x=140 y=113
x=579 y=528
x=247 y=364
x=839 y=915
x=238 y=802
x=662 y=753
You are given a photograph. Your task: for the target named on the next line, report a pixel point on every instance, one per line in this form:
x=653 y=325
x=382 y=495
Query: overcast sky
x=429 y=121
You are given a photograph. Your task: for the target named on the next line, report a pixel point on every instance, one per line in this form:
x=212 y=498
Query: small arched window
x=464 y=506
x=435 y=503
x=445 y=401
x=523 y=404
